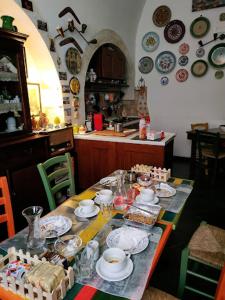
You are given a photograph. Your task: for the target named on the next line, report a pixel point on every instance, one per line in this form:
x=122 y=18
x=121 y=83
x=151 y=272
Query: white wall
x=175 y=106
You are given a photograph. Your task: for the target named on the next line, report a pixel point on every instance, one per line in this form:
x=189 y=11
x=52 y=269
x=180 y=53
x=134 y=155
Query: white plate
x=79 y=214
x=155 y=200
x=98 y=201
x=108 y=180
x=117 y=276
x=129 y=239
x=60 y=224
x=165 y=190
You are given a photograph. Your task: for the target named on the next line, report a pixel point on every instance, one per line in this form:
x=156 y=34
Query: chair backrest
x=208 y=140
x=200 y=126
x=5 y=201
x=57 y=175
x=220 y=290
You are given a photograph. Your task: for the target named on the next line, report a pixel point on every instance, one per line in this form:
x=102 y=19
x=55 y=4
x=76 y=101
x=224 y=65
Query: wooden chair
x=200 y=126
x=58 y=178
x=155 y=294
x=202 y=261
x=5 y=201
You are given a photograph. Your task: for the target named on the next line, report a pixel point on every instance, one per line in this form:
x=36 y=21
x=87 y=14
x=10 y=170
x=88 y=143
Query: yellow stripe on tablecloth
x=88 y=194
x=177 y=181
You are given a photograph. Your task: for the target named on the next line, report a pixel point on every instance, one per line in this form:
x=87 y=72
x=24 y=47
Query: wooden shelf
x=104 y=87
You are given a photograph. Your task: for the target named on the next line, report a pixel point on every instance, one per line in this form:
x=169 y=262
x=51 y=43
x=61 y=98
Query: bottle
x=142 y=129
x=148 y=128
x=120 y=199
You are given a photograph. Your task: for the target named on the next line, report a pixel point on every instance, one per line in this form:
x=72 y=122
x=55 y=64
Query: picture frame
x=62 y=75
x=27 y=4
x=206 y=4
x=34 y=96
x=42 y=25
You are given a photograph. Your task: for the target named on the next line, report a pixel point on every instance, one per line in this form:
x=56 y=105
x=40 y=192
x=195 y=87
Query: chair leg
x=183 y=271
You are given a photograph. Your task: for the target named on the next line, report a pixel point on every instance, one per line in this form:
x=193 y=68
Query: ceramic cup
x=147 y=194
x=114 y=260
x=104 y=195
x=86 y=206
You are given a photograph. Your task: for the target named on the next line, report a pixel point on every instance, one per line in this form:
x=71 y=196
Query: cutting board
x=113 y=133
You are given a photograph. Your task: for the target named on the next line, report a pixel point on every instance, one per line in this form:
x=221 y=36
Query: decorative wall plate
x=183 y=60
x=145 y=65
x=161 y=16
x=199 y=68
x=165 y=62
x=73 y=61
x=174 y=31
x=184 y=48
x=216 y=56
x=200 y=27
x=74 y=86
x=219 y=74
x=182 y=75
x=164 y=80
x=150 y=41
x=200 y=52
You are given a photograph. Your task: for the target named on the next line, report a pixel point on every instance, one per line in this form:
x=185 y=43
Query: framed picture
x=27 y=4
x=34 y=98
x=206 y=4
x=65 y=89
x=62 y=75
x=42 y=25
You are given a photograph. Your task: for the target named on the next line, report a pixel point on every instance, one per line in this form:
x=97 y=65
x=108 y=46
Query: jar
x=142 y=129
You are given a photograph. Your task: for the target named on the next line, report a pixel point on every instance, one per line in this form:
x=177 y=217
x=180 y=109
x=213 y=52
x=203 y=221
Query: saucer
x=116 y=276
x=99 y=202
x=138 y=199
x=79 y=214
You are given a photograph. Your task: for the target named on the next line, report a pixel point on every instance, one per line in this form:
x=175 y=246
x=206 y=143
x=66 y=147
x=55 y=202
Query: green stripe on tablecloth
x=103 y=296
x=168 y=216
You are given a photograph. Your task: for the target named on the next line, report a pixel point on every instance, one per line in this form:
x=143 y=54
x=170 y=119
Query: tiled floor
x=205 y=203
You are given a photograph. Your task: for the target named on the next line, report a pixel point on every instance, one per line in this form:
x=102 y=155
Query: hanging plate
x=184 y=48
x=182 y=75
x=200 y=27
x=145 y=65
x=216 y=56
x=74 y=86
x=219 y=74
x=183 y=60
x=174 y=31
x=150 y=41
x=165 y=62
x=199 y=68
x=200 y=52
x=164 y=80
x=73 y=61
x=161 y=16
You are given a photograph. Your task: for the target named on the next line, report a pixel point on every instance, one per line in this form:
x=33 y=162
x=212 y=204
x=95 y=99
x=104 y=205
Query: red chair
x=220 y=291
x=7 y=215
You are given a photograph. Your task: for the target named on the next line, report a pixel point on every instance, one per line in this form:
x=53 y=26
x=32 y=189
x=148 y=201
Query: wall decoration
x=183 y=60
x=34 y=98
x=161 y=16
x=74 y=86
x=59 y=62
x=182 y=75
x=73 y=61
x=200 y=27
x=150 y=41
x=184 y=48
x=164 y=80
x=206 y=4
x=62 y=75
x=222 y=17
x=27 y=4
x=145 y=65
x=216 y=56
x=52 y=45
x=42 y=25
x=219 y=74
x=65 y=88
x=216 y=36
x=174 y=31
x=200 y=52
x=199 y=68
x=165 y=62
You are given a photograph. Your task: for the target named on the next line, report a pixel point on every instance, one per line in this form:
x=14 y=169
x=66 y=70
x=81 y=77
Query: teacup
x=86 y=206
x=104 y=195
x=114 y=260
x=147 y=194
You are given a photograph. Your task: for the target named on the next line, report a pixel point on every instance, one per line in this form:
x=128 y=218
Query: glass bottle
x=120 y=199
x=35 y=241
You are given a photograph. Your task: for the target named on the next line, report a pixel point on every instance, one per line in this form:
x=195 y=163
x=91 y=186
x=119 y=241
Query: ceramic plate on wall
x=161 y=16
x=200 y=27
x=73 y=61
x=164 y=80
x=216 y=56
x=182 y=75
x=74 y=86
x=165 y=62
x=184 y=48
x=199 y=68
x=200 y=52
x=183 y=60
x=219 y=74
x=150 y=41
x=145 y=65
x=174 y=31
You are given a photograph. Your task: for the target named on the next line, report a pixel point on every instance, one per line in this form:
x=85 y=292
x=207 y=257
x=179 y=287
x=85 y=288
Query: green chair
x=202 y=261
x=58 y=178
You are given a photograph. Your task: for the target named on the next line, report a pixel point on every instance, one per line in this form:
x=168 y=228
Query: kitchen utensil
x=118 y=127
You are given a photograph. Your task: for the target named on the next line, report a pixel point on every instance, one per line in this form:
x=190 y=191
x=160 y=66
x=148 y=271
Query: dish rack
x=27 y=290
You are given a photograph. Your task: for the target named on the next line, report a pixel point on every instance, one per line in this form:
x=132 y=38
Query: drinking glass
x=106 y=209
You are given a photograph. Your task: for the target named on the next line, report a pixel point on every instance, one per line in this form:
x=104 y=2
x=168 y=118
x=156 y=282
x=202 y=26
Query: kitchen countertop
x=129 y=139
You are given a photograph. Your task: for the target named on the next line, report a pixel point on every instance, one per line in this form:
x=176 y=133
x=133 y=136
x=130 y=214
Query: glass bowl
x=144 y=180
x=68 y=245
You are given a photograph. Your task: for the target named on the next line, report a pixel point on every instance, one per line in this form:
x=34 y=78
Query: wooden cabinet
x=14 y=104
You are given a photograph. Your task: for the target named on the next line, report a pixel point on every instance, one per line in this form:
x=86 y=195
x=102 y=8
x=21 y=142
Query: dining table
x=166 y=222
x=192 y=135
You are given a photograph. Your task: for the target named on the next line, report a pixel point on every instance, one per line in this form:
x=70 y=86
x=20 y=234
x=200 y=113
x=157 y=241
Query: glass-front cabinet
x=14 y=104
